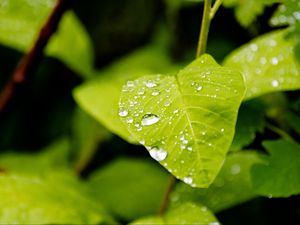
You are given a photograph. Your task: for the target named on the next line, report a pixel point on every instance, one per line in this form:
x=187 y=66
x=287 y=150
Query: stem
x=204 y=28
x=165 y=201
x=215 y=8
x=280 y=132
x=29 y=61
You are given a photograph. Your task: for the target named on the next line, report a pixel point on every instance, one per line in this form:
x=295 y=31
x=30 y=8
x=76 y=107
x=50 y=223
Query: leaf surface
x=279 y=175
x=267 y=63
x=187 y=213
x=231 y=187
x=185 y=121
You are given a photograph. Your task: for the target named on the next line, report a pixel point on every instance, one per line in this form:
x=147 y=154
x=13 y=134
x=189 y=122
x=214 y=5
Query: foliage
x=154 y=136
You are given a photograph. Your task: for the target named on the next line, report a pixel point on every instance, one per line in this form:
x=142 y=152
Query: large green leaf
x=267 y=63
x=185 y=121
x=231 y=187
x=279 y=175
x=100 y=97
x=21 y=20
x=122 y=184
x=187 y=213
x=52 y=200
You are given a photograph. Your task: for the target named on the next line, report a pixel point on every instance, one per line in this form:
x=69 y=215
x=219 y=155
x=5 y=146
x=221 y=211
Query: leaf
x=93 y=96
x=278 y=175
x=122 y=184
x=185 y=121
x=187 y=213
x=231 y=187
x=250 y=121
x=54 y=156
x=293 y=121
x=246 y=11
x=267 y=63
x=21 y=21
x=32 y=200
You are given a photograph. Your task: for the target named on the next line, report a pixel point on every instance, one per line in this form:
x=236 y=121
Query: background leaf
x=278 y=175
x=20 y=24
x=187 y=213
x=122 y=184
x=231 y=187
x=267 y=63
x=186 y=122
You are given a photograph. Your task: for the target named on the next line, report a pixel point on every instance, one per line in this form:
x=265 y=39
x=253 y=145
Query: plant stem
x=165 y=201
x=204 y=28
x=28 y=62
x=215 y=8
x=280 y=132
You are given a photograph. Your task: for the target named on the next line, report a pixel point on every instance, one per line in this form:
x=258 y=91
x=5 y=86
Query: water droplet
x=188 y=180
x=155 y=93
x=149 y=119
x=199 y=88
x=176 y=111
x=158 y=154
x=253 y=47
x=182 y=147
x=222 y=130
x=203 y=209
x=130 y=83
x=235 y=169
x=214 y=223
x=123 y=112
x=263 y=60
x=129 y=120
x=150 y=84
x=275 y=83
x=203 y=133
x=270 y=196
x=274 y=61
x=142 y=142
x=141 y=92
x=190 y=148
x=167 y=103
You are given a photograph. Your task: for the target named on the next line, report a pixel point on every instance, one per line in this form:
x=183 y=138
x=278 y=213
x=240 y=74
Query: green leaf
x=93 y=96
x=54 y=156
x=293 y=121
x=246 y=11
x=231 y=187
x=249 y=122
x=187 y=213
x=278 y=175
x=21 y=21
x=51 y=200
x=267 y=63
x=122 y=184
x=185 y=121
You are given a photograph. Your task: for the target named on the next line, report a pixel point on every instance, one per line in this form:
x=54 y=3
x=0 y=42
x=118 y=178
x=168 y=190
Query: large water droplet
x=188 y=180
x=158 y=154
x=123 y=112
x=149 y=119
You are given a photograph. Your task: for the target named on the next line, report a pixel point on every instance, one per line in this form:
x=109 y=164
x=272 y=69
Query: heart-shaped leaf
x=186 y=121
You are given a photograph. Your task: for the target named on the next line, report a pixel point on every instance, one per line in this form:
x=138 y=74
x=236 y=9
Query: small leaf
x=187 y=213
x=231 y=187
x=56 y=199
x=185 y=121
x=121 y=185
x=93 y=96
x=21 y=21
x=278 y=175
x=267 y=63
x=249 y=122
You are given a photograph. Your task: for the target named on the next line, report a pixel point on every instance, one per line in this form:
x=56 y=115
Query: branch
x=165 y=201
x=28 y=62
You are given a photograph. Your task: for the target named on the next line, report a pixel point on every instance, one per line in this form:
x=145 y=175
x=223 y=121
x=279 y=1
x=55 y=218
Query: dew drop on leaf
x=149 y=119
x=235 y=169
x=150 y=84
x=123 y=112
x=158 y=154
x=129 y=120
x=275 y=83
x=188 y=180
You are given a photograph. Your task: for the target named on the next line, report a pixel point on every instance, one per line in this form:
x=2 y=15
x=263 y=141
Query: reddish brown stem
x=30 y=60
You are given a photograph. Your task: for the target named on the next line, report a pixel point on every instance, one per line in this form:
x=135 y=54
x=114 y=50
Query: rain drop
x=274 y=61
x=141 y=92
x=188 y=180
x=275 y=83
x=155 y=93
x=129 y=120
x=123 y=112
x=149 y=119
x=150 y=84
x=235 y=169
x=167 y=103
x=158 y=154
x=130 y=83
x=199 y=88
x=222 y=130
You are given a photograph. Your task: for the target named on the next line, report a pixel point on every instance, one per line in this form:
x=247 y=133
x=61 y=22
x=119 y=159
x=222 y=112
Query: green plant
x=225 y=134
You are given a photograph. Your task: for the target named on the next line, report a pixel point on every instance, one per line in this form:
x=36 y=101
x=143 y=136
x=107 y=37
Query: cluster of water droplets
x=284 y=17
